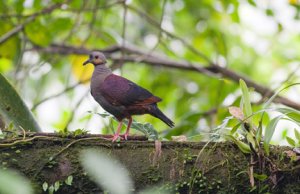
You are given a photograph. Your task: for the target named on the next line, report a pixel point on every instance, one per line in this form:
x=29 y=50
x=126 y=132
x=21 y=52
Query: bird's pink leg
x=128 y=128
x=117 y=134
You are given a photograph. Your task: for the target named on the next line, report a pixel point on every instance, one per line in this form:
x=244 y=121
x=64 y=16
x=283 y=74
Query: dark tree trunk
x=186 y=167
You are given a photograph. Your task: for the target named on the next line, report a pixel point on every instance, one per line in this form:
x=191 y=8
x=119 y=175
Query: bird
x=121 y=97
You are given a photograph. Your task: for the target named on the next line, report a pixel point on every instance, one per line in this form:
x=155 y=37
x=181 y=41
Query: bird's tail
x=158 y=114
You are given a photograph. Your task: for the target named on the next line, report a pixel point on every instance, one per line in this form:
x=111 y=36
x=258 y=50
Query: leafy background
x=258 y=39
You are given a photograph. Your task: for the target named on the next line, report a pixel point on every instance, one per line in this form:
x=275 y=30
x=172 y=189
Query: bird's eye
x=96 y=57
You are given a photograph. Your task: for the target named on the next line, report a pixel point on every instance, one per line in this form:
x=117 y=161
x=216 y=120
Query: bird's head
x=96 y=58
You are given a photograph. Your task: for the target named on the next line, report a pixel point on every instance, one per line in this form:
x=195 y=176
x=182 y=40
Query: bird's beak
x=87 y=61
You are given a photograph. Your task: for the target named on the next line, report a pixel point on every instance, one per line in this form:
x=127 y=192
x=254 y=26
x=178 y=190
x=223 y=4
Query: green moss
x=153 y=175
x=182 y=167
x=197 y=184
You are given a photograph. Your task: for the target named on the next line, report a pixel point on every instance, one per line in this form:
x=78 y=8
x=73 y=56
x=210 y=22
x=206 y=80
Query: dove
x=121 y=97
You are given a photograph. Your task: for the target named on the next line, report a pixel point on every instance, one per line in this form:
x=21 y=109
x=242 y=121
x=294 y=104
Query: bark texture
x=183 y=167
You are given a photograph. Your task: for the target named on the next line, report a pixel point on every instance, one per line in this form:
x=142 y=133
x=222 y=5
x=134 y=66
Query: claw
x=128 y=128
x=117 y=134
x=124 y=136
x=116 y=137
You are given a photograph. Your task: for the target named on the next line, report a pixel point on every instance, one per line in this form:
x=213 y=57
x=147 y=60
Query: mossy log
x=182 y=167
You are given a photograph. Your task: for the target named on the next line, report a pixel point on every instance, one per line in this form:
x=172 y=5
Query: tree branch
x=20 y=27
x=136 y=54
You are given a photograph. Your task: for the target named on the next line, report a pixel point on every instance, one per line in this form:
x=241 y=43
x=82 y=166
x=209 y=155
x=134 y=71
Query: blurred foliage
x=13 y=107
x=256 y=38
x=118 y=183
x=12 y=182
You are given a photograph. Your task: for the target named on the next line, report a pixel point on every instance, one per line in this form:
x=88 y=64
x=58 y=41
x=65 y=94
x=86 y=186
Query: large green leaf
x=13 y=107
x=246 y=99
x=13 y=183
x=245 y=148
x=103 y=174
x=270 y=131
x=290 y=112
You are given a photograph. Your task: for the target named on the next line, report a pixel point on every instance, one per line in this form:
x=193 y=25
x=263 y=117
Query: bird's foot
x=125 y=136
x=116 y=137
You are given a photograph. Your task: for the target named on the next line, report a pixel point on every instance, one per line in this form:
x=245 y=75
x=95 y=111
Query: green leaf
x=146 y=128
x=260 y=177
x=245 y=148
x=290 y=112
x=10 y=47
x=258 y=134
x=267 y=104
x=45 y=186
x=155 y=190
x=51 y=189
x=103 y=115
x=246 y=100
x=251 y=139
x=236 y=127
x=269 y=12
x=56 y=185
x=75 y=4
x=13 y=107
x=270 y=128
x=19 y=6
x=38 y=32
x=252 y=2
x=297 y=134
x=59 y=25
x=104 y=174
x=12 y=182
x=69 y=180
x=291 y=141
x=6 y=65
x=78 y=132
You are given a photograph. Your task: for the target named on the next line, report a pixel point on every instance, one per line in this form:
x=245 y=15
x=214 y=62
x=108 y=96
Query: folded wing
x=121 y=91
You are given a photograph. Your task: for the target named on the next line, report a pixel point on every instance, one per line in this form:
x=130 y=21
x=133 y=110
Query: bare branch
x=16 y=29
x=156 y=59
x=20 y=27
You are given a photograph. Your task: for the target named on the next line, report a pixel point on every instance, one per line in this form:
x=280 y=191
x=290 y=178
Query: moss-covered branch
x=181 y=166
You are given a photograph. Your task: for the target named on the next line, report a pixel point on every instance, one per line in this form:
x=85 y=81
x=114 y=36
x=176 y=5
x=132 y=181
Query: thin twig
x=156 y=24
x=19 y=65
x=58 y=94
x=251 y=171
x=92 y=23
x=74 y=109
x=124 y=30
x=108 y=5
x=23 y=141
x=159 y=36
x=16 y=29
x=64 y=149
x=77 y=23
